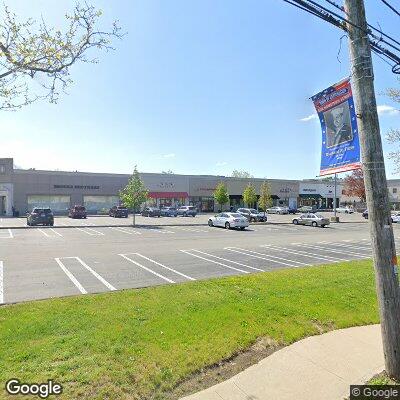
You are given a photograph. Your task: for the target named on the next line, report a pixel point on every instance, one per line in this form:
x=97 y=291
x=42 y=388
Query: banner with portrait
x=340 y=150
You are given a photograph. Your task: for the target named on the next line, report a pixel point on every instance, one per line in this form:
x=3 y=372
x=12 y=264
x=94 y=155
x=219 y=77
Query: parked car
x=229 y=220
x=118 y=212
x=186 y=211
x=346 y=210
x=277 y=210
x=365 y=214
x=311 y=219
x=169 y=212
x=395 y=218
x=292 y=210
x=151 y=212
x=305 y=209
x=251 y=214
x=40 y=216
x=77 y=212
x=262 y=216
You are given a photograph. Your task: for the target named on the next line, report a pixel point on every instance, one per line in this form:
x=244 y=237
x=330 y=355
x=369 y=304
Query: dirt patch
x=225 y=369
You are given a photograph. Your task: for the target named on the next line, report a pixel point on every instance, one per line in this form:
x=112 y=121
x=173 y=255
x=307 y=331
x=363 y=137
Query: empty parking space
x=84 y=256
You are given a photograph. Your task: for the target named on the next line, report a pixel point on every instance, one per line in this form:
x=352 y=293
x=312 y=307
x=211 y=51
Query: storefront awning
x=168 y=195
x=310 y=196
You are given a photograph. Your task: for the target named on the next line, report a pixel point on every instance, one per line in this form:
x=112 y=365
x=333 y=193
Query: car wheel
x=242 y=228
x=184 y=214
x=28 y=223
x=295 y=221
x=391 y=220
x=227 y=225
x=314 y=224
x=210 y=223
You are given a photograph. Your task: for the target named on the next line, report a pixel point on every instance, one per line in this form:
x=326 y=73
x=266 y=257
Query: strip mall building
x=24 y=189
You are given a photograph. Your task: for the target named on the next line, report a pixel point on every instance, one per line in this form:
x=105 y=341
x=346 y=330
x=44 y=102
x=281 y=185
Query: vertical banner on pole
x=340 y=150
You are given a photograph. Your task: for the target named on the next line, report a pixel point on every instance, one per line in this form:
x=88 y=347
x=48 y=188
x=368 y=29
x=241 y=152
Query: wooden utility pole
x=382 y=240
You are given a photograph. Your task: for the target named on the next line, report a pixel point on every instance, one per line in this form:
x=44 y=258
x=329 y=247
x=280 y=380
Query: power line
x=327 y=15
x=391 y=7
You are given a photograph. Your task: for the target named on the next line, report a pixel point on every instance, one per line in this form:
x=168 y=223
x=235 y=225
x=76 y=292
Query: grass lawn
x=138 y=344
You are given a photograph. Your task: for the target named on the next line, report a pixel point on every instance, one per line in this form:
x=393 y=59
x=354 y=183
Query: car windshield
x=121 y=208
x=79 y=208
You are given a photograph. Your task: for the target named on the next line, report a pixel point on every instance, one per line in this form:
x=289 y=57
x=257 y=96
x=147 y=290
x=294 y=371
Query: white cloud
x=387 y=110
x=221 y=163
x=169 y=155
x=309 y=118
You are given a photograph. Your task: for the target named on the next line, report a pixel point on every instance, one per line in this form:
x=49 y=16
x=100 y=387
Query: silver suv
x=250 y=213
x=185 y=211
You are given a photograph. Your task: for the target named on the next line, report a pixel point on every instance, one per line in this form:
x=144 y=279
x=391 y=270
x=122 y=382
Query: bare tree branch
x=28 y=49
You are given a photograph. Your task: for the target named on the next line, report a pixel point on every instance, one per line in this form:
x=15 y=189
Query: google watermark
x=374 y=392
x=43 y=390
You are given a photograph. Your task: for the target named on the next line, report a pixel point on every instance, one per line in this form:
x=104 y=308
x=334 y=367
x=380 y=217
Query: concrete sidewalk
x=319 y=367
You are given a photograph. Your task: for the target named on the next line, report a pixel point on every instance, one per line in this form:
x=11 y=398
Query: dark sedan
x=118 y=212
x=40 y=216
x=151 y=212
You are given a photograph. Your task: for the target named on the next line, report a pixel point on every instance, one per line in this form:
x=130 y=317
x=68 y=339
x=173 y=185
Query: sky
x=196 y=87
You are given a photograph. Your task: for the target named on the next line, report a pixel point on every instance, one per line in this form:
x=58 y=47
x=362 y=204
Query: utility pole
x=382 y=240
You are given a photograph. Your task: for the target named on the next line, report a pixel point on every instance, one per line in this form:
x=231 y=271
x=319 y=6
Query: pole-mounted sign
x=340 y=149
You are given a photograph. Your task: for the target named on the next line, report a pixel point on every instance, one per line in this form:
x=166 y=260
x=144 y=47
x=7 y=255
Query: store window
x=100 y=204
x=2 y=169
x=58 y=204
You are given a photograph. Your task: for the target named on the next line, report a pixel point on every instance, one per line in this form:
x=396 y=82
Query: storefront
x=168 y=199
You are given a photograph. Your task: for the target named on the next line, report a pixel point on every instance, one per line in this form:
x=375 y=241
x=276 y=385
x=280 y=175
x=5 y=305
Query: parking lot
x=90 y=256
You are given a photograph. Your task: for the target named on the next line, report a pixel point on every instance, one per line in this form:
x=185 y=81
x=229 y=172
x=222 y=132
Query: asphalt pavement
x=88 y=257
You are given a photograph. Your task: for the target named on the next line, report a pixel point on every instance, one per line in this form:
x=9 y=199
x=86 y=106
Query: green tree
x=265 y=199
x=241 y=174
x=250 y=195
x=134 y=194
x=221 y=195
x=29 y=50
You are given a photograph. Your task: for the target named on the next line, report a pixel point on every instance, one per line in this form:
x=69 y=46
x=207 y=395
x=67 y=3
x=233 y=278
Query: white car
x=277 y=210
x=229 y=220
x=346 y=210
x=395 y=218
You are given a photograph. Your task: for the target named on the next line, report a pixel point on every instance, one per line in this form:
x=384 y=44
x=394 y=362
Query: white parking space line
x=146 y=269
x=57 y=233
x=157 y=230
x=43 y=232
x=225 y=259
x=190 y=229
x=213 y=261
x=123 y=230
x=264 y=256
x=94 y=273
x=304 y=253
x=1 y=283
x=329 y=250
x=9 y=235
x=91 y=231
x=71 y=276
x=164 y=266
x=353 y=246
